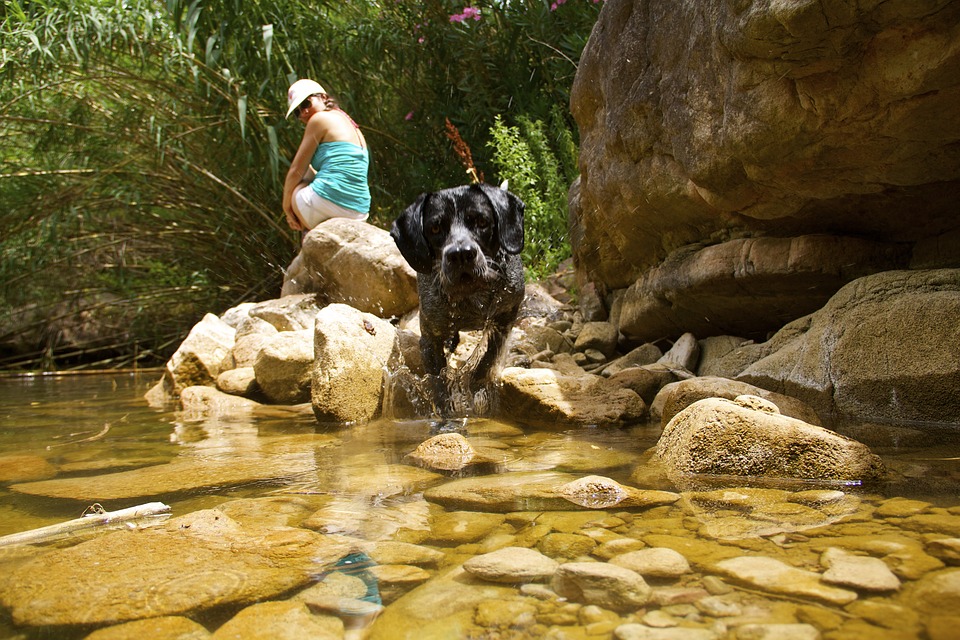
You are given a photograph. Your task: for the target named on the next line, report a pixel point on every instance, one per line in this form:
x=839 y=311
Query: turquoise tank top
x=342 y=175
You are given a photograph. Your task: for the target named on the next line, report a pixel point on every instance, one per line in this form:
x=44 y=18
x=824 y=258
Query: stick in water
x=97 y=518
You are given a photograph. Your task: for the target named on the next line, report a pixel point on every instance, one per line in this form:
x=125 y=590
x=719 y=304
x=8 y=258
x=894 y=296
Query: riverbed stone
x=446 y=602
x=199 y=358
x=185 y=473
x=656 y=562
x=452 y=452
x=602 y=584
x=252 y=335
x=165 y=628
x=191 y=563
x=526 y=491
x=677 y=396
x=25 y=467
x=459 y=527
x=778 y=632
x=241 y=381
x=646 y=380
x=684 y=353
x=283 y=367
x=936 y=593
x=548 y=399
x=946 y=549
x=395 y=552
x=352 y=348
x=512 y=565
x=289 y=313
x=282 y=620
x=601 y=336
x=775 y=576
x=717 y=436
x=635 y=631
x=645 y=355
x=202 y=403
x=862 y=573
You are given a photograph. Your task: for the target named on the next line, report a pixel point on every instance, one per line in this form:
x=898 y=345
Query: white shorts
x=314 y=209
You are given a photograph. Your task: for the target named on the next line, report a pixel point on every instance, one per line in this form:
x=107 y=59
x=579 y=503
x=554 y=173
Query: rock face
x=353 y=263
x=884 y=347
x=740 y=161
x=720 y=437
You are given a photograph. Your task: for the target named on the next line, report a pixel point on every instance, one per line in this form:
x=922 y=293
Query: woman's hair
x=329 y=101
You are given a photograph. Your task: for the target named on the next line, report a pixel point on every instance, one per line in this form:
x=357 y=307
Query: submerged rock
x=185 y=473
x=602 y=584
x=533 y=491
x=775 y=576
x=189 y=564
x=512 y=565
x=719 y=437
x=173 y=627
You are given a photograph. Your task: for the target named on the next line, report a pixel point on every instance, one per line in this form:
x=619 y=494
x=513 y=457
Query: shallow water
x=357 y=483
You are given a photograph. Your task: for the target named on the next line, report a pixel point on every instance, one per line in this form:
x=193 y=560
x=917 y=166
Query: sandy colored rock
x=775 y=576
x=167 y=628
x=512 y=565
x=192 y=563
x=602 y=584
x=185 y=473
x=717 y=436
x=280 y=621
x=548 y=399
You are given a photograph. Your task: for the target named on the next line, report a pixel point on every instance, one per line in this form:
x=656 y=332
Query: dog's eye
x=480 y=222
x=435 y=229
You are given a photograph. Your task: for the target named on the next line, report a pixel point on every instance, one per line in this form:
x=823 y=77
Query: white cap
x=300 y=91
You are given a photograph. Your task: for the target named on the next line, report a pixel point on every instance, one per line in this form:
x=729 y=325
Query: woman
x=328 y=175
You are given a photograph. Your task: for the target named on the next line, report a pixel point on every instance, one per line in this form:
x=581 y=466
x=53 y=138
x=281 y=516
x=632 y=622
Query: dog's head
x=463 y=231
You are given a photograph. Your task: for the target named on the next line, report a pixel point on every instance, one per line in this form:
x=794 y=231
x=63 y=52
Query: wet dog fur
x=464 y=244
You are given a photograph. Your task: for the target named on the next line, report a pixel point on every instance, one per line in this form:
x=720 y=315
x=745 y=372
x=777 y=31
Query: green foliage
x=539 y=169
x=143 y=144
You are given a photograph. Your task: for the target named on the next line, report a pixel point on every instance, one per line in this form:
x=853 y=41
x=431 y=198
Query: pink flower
x=408 y=117
x=468 y=12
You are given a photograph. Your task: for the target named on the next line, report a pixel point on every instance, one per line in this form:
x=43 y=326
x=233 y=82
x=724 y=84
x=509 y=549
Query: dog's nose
x=461 y=254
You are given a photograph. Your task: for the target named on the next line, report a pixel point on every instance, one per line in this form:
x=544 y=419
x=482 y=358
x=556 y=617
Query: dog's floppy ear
x=407 y=232
x=509 y=210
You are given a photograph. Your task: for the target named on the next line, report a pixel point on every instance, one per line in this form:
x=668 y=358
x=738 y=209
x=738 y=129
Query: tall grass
x=143 y=145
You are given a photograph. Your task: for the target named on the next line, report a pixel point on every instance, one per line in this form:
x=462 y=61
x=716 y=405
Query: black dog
x=464 y=244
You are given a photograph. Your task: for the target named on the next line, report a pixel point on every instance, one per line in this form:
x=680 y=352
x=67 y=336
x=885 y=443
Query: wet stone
x=460 y=527
x=21 y=468
x=634 y=631
x=901 y=508
x=186 y=473
x=282 y=621
x=654 y=563
x=946 y=549
x=601 y=584
x=512 y=565
x=192 y=563
x=168 y=627
x=775 y=576
x=777 y=632
x=857 y=572
x=566 y=545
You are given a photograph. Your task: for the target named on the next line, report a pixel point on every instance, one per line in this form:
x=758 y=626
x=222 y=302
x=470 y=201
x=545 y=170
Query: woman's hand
x=294 y=222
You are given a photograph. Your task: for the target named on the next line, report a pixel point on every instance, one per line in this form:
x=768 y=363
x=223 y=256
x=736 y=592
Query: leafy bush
x=143 y=144
x=539 y=170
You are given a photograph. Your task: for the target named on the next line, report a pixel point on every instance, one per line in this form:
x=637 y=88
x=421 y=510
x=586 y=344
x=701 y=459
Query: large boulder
x=740 y=161
x=748 y=437
x=352 y=350
x=199 y=359
x=549 y=399
x=884 y=347
x=355 y=263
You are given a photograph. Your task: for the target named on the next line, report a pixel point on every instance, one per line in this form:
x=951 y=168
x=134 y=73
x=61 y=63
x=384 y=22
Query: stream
x=338 y=534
